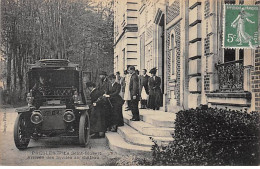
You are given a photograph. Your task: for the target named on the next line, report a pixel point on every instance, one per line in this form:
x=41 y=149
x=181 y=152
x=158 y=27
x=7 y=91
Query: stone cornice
x=127 y=28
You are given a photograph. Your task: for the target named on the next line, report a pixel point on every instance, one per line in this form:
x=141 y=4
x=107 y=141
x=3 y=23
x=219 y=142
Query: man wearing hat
x=103 y=83
x=134 y=93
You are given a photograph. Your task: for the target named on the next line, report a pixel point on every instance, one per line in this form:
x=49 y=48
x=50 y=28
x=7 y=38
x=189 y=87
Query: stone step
x=120 y=146
x=158 y=118
x=148 y=129
x=132 y=136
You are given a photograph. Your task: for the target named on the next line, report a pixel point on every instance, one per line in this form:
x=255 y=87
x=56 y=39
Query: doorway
x=161 y=52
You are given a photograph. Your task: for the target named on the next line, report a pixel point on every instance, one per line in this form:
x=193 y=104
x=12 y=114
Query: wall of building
x=256 y=80
x=147 y=34
x=126 y=50
x=176 y=65
x=256 y=72
x=186 y=58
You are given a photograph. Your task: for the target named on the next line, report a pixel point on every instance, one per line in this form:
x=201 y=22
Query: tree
x=78 y=30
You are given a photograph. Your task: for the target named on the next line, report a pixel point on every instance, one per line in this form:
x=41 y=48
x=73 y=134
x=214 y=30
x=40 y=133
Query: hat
x=112 y=76
x=153 y=70
x=131 y=68
x=102 y=73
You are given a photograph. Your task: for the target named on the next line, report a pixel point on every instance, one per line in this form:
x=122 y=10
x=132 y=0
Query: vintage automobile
x=56 y=104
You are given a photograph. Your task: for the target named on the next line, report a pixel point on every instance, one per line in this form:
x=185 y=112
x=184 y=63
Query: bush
x=131 y=160
x=207 y=136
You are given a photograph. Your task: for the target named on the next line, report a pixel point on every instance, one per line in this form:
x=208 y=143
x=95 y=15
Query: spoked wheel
x=21 y=138
x=84 y=129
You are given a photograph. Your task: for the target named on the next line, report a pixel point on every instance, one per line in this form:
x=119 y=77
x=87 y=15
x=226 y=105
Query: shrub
x=207 y=136
x=131 y=160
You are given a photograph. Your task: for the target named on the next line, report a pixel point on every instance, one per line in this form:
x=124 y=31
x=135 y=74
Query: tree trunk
x=8 y=70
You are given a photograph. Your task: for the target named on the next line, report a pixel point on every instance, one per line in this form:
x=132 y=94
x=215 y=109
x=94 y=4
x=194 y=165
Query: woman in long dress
x=98 y=113
x=117 y=103
x=155 y=99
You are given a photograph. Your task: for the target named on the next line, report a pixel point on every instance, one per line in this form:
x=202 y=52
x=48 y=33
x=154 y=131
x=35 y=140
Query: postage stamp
x=240 y=26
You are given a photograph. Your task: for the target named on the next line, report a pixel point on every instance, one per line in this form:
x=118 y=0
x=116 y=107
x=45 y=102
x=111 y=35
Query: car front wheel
x=84 y=129
x=21 y=138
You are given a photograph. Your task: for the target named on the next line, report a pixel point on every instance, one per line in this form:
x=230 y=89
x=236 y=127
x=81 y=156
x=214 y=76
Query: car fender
x=25 y=110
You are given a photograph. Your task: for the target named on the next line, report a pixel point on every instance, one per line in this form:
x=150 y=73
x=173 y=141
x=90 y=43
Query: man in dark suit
x=103 y=83
x=144 y=90
x=134 y=92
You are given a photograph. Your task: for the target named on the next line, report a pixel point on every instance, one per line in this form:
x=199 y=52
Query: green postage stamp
x=240 y=26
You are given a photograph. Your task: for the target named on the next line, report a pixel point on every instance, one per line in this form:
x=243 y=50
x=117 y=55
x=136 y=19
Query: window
x=116 y=68
x=231 y=72
x=230 y=1
x=229 y=55
x=233 y=54
x=241 y=54
x=172 y=51
x=172 y=54
x=241 y=2
x=142 y=51
x=123 y=53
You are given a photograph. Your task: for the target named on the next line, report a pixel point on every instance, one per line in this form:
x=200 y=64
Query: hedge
x=208 y=136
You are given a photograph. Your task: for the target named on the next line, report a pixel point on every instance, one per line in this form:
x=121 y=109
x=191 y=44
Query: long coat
x=134 y=86
x=127 y=95
x=97 y=117
x=155 y=99
x=103 y=86
x=117 y=103
x=122 y=83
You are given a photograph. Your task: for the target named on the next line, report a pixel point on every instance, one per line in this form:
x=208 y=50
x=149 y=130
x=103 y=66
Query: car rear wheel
x=21 y=138
x=84 y=129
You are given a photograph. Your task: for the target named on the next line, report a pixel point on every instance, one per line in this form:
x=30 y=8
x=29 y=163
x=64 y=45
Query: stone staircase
x=134 y=137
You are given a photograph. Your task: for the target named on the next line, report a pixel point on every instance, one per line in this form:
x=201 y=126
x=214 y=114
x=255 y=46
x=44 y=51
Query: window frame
x=172 y=50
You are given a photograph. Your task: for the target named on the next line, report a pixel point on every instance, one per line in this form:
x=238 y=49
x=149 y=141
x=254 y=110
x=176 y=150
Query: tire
x=84 y=129
x=21 y=139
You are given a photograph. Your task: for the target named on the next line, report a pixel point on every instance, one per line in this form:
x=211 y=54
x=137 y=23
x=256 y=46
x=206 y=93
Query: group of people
x=106 y=109
x=111 y=92
x=150 y=93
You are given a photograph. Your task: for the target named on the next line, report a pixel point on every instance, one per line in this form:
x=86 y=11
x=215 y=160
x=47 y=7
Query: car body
x=56 y=104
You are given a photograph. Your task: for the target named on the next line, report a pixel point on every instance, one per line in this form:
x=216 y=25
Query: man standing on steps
x=134 y=92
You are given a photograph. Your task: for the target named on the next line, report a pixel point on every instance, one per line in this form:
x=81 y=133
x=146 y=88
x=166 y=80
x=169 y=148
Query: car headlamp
x=69 y=116
x=36 y=117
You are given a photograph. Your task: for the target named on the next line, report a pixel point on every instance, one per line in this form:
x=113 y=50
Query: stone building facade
x=125 y=34
x=183 y=39
x=256 y=72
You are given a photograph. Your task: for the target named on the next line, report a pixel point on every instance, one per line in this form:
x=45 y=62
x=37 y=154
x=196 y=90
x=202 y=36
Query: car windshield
x=54 y=78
